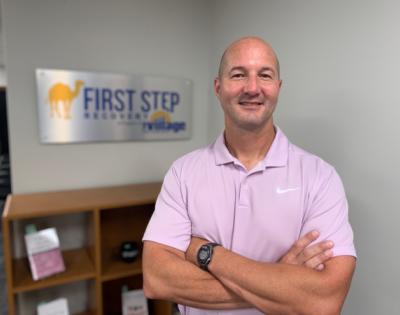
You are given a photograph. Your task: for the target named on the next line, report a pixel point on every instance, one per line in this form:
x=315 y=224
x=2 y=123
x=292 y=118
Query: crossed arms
x=306 y=280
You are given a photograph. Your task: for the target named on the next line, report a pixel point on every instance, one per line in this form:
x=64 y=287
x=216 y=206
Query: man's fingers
x=314 y=250
x=312 y=256
x=299 y=246
x=317 y=262
x=320 y=267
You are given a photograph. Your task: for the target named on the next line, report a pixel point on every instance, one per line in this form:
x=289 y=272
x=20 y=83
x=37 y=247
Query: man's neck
x=249 y=147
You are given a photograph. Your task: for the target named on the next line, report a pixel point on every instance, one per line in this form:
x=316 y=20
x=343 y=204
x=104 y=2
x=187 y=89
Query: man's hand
x=312 y=257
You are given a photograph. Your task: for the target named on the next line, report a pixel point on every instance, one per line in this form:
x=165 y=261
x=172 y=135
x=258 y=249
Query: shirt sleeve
x=170 y=224
x=328 y=213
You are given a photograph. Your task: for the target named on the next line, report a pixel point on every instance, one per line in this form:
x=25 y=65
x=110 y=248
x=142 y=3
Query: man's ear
x=217 y=86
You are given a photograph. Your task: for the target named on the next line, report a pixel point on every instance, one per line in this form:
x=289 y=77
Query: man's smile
x=251 y=105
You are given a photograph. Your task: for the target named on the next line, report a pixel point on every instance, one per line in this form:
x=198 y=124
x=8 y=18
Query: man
x=221 y=237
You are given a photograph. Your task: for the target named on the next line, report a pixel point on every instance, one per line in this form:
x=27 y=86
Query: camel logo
x=61 y=97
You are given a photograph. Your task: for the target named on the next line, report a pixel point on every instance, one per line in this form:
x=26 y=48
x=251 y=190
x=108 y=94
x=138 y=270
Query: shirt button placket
x=244 y=198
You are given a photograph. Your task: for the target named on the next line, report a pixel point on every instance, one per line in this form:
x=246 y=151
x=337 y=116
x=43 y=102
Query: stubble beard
x=250 y=122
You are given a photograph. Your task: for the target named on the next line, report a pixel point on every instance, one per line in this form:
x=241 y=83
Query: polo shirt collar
x=221 y=153
x=277 y=155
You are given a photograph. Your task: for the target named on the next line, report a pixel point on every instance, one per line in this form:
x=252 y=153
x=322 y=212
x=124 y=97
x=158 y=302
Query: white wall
x=340 y=99
x=3 y=75
x=166 y=38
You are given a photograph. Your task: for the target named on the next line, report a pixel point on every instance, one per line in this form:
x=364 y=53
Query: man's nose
x=252 y=85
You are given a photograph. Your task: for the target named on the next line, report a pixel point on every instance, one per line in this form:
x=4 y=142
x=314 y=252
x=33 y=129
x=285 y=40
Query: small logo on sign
x=161 y=121
x=160 y=117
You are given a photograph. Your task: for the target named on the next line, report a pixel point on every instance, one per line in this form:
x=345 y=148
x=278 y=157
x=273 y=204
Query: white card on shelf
x=56 y=307
x=42 y=241
x=134 y=303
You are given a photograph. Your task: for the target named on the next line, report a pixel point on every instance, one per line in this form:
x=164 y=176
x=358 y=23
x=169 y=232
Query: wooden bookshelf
x=112 y=215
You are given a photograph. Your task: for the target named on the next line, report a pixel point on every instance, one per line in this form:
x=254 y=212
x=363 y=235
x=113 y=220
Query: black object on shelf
x=129 y=251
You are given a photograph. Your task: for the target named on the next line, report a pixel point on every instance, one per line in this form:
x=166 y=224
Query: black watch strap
x=204 y=255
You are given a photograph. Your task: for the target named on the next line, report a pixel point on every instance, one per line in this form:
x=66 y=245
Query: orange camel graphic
x=61 y=93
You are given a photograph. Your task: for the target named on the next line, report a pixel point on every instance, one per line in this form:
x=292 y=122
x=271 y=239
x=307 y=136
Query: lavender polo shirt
x=258 y=213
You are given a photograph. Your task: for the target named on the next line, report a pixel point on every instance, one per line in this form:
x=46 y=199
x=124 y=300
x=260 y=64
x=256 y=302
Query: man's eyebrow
x=237 y=68
x=267 y=69
x=241 y=68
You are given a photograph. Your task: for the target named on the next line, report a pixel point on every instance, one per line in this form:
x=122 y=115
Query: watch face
x=203 y=253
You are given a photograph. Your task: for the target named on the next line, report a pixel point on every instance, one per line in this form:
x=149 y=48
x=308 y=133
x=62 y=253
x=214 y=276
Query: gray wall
x=340 y=98
x=166 y=38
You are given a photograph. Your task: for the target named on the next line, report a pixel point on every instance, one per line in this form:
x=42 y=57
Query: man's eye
x=266 y=76
x=237 y=75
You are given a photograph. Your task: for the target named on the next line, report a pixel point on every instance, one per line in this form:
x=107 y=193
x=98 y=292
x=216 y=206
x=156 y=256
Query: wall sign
x=87 y=106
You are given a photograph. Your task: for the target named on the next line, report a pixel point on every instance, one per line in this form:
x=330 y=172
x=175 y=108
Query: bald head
x=241 y=44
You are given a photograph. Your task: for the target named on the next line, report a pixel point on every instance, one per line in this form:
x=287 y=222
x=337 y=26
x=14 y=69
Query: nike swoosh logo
x=280 y=190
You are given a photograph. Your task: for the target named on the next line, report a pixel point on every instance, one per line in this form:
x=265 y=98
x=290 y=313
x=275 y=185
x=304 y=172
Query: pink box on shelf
x=44 y=254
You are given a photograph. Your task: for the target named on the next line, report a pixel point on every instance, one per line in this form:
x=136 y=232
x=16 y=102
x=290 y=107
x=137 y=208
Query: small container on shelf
x=129 y=251
x=44 y=254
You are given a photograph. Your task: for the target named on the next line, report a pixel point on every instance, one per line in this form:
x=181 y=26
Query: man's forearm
x=170 y=276
x=284 y=289
x=163 y=266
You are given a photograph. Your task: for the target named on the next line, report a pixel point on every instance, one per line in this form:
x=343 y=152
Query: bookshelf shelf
x=79 y=266
x=111 y=215
x=115 y=269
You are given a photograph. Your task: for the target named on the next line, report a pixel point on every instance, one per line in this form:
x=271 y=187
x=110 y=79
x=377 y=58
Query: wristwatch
x=204 y=255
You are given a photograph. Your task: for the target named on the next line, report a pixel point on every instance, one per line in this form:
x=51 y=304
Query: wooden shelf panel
x=78 y=264
x=160 y=307
x=115 y=269
x=21 y=206
x=87 y=313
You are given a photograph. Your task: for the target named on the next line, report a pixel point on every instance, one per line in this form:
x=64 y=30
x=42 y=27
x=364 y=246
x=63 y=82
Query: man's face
x=248 y=85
